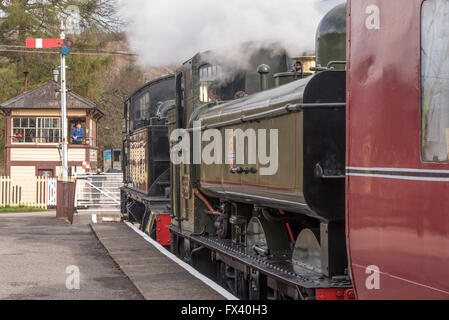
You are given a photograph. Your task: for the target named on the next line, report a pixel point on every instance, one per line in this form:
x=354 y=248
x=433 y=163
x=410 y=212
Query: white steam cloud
x=165 y=32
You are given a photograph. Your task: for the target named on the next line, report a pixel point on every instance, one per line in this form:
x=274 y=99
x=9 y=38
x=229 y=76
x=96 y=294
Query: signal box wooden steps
x=155 y=275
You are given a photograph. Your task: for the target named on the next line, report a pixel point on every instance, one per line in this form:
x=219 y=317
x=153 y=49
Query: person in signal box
x=78 y=134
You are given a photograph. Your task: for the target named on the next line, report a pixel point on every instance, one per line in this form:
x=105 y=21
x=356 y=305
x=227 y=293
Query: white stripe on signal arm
x=39 y=43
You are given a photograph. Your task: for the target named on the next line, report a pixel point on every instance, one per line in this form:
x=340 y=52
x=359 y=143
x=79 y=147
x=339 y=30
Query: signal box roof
x=48 y=96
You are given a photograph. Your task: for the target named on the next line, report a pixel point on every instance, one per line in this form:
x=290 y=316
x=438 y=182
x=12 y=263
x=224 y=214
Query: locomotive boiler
x=309 y=179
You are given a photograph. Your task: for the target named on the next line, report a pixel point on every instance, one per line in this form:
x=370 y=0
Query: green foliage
x=86 y=76
x=8 y=82
x=112 y=102
x=7 y=209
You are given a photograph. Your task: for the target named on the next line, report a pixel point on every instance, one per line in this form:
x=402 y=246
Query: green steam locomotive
x=256 y=190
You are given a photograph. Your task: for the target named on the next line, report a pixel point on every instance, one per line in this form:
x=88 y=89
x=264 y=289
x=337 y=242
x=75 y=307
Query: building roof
x=47 y=96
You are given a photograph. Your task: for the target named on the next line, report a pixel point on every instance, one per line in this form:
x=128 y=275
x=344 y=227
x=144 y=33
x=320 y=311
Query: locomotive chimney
x=26 y=73
x=263 y=70
x=55 y=74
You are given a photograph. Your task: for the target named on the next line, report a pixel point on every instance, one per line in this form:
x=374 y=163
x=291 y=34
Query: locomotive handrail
x=329 y=66
x=278 y=112
x=333 y=174
x=331 y=63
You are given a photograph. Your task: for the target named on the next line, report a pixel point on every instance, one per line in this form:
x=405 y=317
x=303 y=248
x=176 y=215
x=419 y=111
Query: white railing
x=39 y=192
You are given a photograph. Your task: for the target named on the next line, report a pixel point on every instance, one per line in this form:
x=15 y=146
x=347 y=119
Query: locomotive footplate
x=137 y=207
x=277 y=267
x=161 y=203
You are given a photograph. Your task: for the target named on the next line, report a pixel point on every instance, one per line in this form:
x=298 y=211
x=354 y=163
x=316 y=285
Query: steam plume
x=167 y=32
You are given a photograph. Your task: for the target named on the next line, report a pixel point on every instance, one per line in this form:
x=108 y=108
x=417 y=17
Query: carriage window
x=435 y=80
x=208 y=75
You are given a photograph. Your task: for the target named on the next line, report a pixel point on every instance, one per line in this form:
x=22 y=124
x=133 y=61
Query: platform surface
x=155 y=275
x=35 y=251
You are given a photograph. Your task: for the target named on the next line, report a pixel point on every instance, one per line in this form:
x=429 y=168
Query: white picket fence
x=39 y=192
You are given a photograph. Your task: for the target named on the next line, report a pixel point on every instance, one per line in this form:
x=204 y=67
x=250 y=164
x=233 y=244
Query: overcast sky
x=326 y=5
x=169 y=31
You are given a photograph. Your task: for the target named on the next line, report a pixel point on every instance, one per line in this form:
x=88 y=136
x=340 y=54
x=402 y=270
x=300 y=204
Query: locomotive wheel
x=233 y=280
x=307 y=251
x=265 y=237
x=174 y=243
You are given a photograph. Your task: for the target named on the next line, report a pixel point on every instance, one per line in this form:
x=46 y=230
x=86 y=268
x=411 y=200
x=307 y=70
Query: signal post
x=65 y=46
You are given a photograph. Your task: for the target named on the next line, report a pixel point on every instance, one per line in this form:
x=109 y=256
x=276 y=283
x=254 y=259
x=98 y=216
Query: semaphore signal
x=65 y=45
x=43 y=43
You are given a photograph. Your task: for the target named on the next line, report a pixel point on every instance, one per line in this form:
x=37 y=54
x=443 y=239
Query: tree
x=116 y=93
x=21 y=19
x=41 y=18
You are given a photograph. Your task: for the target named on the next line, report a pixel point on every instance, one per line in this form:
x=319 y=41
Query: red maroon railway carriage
x=397 y=147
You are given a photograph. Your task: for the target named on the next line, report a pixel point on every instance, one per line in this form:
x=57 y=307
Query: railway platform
x=154 y=271
x=40 y=257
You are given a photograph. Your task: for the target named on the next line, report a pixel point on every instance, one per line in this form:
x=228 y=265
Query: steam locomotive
x=299 y=231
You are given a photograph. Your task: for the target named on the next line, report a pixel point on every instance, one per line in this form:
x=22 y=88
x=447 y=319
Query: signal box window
x=49 y=130
x=36 y=130
x=435 y=80
x=24 y=130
